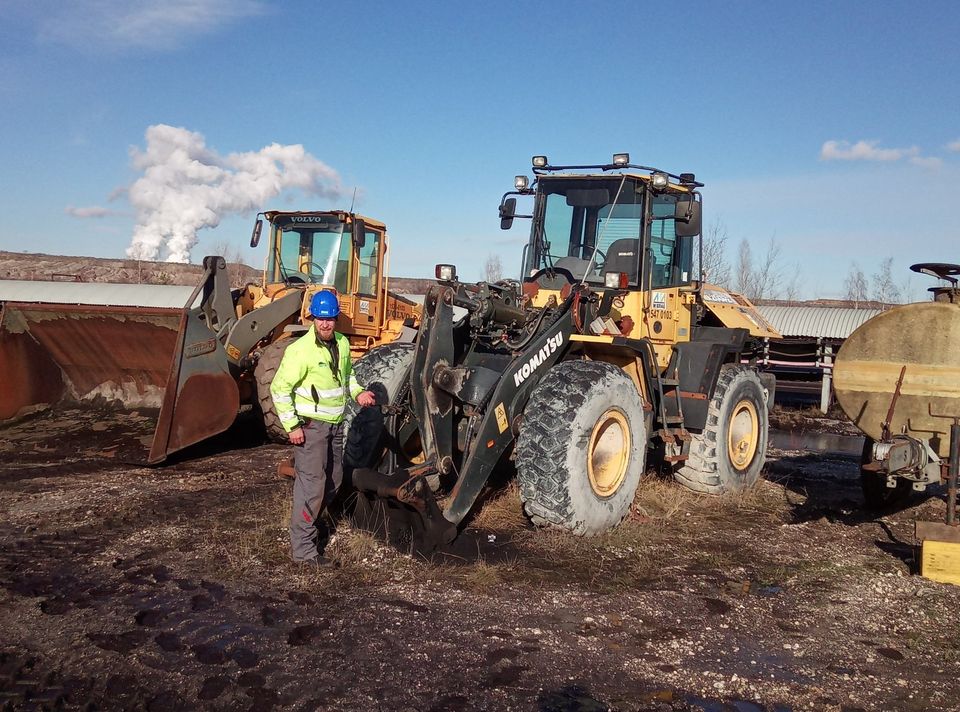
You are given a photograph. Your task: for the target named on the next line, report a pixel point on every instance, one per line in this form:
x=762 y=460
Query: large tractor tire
x=876 y=495
x=582 y=447
x=381 y=370
x=729 y=454
x=266 y=369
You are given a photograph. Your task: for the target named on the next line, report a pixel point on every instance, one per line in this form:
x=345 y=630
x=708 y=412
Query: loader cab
x=309 y=249
x=588 y=226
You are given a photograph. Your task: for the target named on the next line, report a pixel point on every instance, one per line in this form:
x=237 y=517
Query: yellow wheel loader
x=607 y=349
x=152 y=380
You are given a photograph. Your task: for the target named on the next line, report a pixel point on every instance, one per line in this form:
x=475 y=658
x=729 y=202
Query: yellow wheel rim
x=609 y=453
x=744 y=434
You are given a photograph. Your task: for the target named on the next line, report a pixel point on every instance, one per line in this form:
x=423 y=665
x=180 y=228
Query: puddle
x=816 y=442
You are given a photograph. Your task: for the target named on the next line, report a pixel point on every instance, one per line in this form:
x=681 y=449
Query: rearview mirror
x=359 y=233
x=508 y=208
x=687 y=218
x=255 y=237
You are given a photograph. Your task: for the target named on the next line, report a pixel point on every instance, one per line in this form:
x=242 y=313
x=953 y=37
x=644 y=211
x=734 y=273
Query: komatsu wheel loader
x=609 y=348
x=179 y=375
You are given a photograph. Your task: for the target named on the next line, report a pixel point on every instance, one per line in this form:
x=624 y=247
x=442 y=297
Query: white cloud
x=92 y=211
x=187 y=186
x=954 y=146
x=151 y=24
x=863 y=151
x=926 y=161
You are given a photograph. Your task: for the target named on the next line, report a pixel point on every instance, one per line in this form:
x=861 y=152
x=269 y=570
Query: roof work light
x=521 y=183
x=621 y=159
x=539 y=161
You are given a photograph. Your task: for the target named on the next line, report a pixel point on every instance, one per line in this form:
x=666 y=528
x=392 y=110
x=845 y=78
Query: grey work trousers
x=319 y=467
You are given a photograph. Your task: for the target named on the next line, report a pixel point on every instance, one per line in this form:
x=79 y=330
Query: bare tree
x=234 y=258
x=493 y=268
x=885 y=290
x=791 y=286
x=761 y=279
x=768 y=274
x=715 y=268
x=856 y=286
x=744 y=270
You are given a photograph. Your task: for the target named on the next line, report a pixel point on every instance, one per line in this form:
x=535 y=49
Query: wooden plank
x=940 y=561
x=938 y=531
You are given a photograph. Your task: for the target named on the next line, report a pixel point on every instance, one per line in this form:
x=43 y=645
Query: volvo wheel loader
x=150 y=381
x=607 y=350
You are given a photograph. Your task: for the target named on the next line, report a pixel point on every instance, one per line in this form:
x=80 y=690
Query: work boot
x=316 y=563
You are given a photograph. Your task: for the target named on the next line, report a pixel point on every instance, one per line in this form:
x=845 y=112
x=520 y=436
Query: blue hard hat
x=324 y=305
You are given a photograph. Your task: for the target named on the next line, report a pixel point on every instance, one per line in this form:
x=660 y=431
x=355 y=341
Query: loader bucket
x=133 y=383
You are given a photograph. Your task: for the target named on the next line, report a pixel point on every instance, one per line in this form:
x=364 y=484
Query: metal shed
x=803 y=360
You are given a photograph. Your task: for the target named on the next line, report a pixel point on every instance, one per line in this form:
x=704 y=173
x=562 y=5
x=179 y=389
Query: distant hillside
x=33 y=266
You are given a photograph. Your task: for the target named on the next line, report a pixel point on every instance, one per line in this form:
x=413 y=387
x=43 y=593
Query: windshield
x=591 y=226
x=585 y=223
x=310 y=249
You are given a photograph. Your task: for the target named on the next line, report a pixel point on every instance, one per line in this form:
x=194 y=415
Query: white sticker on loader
x=659 y=300
x=533 y=363
x=364 y=306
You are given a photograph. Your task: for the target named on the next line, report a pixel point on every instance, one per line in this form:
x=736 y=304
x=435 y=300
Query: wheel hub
x=744 y=435
x=608 y=453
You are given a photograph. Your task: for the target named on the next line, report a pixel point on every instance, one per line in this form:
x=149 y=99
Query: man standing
x=310 y=391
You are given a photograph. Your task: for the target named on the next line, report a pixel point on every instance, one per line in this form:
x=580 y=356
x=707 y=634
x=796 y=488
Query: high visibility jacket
x=309 y=385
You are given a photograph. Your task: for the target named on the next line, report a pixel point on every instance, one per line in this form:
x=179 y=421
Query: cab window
x=369 y=257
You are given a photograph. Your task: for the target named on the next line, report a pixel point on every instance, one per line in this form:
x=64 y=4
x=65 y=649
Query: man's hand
x=296 y=436
x=366 y=399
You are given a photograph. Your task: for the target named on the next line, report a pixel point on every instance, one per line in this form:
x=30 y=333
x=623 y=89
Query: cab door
x=368 y=294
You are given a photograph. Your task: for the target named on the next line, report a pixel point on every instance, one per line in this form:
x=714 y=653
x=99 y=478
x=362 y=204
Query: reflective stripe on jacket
x=306 y=386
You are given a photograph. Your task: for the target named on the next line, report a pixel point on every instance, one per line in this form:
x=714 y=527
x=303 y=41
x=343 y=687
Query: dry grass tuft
x=502 y=512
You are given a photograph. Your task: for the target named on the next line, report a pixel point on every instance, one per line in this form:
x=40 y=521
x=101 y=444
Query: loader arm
x=443 y=380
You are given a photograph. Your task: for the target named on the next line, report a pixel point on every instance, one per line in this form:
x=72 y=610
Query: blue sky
x=831 y=127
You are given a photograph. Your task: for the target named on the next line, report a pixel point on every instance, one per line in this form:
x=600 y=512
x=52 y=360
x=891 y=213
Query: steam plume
x=187 y=186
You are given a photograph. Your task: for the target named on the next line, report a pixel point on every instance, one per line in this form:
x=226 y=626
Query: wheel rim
x=609 y=453
x=744 y=435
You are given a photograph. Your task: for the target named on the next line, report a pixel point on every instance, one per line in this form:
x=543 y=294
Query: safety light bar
x=521 y=183
x=445 y=273
x=621 y=159
x=540 y=162
x=659 y=180
x=615 y=280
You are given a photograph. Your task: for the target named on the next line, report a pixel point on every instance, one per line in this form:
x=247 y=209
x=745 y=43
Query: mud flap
x=400 y=506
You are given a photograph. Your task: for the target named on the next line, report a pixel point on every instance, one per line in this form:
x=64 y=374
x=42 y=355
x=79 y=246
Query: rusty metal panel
x=114 y=353
x=138 y=383
x=30 y=377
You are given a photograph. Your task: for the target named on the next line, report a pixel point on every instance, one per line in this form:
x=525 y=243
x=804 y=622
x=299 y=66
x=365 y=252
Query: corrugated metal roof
x=99 y=293
x=816 y=322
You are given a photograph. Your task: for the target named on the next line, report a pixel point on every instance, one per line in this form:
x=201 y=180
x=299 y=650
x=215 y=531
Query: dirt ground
x=125 y=587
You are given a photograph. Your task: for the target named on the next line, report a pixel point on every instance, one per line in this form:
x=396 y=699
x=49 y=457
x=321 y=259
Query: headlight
x=615 y=280
x=445 y=273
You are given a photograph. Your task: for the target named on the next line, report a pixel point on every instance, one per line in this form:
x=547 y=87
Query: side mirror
x=508 y=208
x=687 y=218
x=255 y=237
x=359 y=233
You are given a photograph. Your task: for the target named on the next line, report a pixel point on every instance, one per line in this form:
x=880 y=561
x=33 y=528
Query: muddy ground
x=125 y=587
